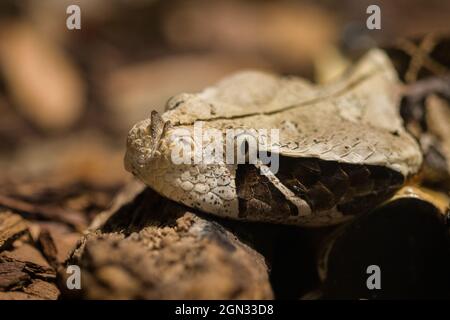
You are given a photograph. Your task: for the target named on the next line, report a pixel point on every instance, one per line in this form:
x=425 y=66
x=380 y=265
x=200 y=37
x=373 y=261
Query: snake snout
x=142 y=142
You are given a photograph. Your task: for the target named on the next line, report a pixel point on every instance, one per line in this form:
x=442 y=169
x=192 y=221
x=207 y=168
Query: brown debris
x=42 y=290
x=12 y=226
x=16 y=276
x=57 y=242
x=86 y=159
x=426 y=111
x=12 y=274
x=16 y=272
x=420 y=58
x=43 y=82
x=49 y=248
x=17 y=295
x=25 y=252
x=438 y=121
x=154 y=249
x=43 y=211
x=26 y=274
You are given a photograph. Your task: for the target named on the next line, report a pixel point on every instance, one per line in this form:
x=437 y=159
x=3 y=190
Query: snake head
x=143 y=141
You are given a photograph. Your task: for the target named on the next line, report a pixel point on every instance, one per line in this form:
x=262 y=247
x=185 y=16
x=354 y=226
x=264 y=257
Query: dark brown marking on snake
x=322 y=184
x=326 y=184
x=258 y=196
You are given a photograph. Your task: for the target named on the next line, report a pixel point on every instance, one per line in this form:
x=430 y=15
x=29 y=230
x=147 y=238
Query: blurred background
x=69 y=97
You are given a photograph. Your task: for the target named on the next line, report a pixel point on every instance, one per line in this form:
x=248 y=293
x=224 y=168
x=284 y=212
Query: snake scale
x=342 y=147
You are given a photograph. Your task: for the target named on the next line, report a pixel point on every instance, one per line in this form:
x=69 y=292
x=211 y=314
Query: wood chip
x=12 y=274
x=12 y=226
x=153 y=248
x=49 y=248
x=42 y=289
x=57 y=236
x=74 y=218
x=17 y=295
x=28 y=254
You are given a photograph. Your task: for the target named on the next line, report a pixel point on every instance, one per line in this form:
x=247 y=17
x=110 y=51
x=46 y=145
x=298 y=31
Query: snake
x=342 y=146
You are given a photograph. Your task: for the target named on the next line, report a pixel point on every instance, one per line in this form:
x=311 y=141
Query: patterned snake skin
x=323 y=184
x=342 y=147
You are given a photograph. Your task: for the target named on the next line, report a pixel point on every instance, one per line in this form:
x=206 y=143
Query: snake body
x=342 y=147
